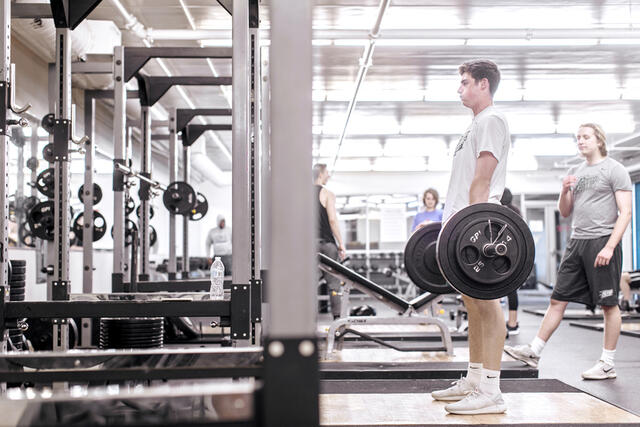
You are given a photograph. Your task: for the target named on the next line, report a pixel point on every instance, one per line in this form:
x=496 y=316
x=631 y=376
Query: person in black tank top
x=328 y=236
x=324 y=228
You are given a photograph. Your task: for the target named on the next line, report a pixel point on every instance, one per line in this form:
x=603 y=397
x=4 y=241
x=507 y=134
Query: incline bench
x=407 y=310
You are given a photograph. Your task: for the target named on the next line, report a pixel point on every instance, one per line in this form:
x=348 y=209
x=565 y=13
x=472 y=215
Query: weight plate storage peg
x=179 y=198
x=200 y=209
x=485 y=251
x=41 y=221
x=97 y=193
x=99 y=226
x=420 y=260
x=45 y=182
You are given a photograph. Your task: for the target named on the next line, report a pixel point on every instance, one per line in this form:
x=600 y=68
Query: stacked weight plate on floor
x=140 y=332
x=16 y=293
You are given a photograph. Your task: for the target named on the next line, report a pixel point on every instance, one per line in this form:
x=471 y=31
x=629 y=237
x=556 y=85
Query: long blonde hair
x=600 y=136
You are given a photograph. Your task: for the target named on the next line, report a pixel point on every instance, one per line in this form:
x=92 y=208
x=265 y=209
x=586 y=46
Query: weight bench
x=407 y=310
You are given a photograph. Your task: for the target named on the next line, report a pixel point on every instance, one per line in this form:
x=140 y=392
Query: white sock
x=608 y=356
x=474 y=373
x=490 y=382
x=537 y=345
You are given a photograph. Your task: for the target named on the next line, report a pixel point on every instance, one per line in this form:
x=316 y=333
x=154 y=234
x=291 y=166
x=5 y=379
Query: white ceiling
x=408 y=105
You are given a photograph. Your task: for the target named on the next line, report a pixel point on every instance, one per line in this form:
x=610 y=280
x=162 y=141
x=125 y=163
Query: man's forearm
x=565 y=203
x=479 y=191
x=618 y=229
x=335 y=229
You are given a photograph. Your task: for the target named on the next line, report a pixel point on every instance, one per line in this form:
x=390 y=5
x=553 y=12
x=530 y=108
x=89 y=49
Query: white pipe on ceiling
x=365 y=63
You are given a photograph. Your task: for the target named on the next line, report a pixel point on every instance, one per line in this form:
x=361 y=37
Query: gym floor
x=570 y=351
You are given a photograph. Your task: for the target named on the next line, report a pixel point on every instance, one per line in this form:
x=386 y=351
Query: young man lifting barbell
x=478 y=175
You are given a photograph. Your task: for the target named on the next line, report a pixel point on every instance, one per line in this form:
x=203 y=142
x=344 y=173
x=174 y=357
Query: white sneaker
x=601 y=371
x=523 y=353
x=458 y=391
x=477 y=403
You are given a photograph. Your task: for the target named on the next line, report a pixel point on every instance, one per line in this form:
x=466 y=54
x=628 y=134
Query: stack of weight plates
x=16 y=293
x=140 y=332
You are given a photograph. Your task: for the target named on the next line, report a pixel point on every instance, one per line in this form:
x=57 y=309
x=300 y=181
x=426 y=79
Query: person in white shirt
x=218 y=243
x=478 y=176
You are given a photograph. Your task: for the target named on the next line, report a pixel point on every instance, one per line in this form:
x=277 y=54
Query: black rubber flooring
x=427 y=386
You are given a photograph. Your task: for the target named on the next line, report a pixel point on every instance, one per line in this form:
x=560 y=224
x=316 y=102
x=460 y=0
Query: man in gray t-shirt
x=598 y=193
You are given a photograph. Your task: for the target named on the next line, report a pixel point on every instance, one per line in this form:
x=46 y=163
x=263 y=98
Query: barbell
x=485 y=251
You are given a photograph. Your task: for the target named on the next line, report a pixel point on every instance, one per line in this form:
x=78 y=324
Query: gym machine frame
x=179 y=122
x=127 y=64
x=291 y=385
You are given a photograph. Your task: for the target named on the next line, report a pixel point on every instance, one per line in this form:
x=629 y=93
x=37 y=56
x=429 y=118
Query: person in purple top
x=430 y=213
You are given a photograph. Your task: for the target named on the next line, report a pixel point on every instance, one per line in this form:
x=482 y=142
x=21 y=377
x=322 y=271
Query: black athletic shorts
x=579 y=281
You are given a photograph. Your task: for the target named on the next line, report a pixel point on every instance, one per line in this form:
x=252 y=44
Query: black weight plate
x=129 y=227
x=137 y=329
x=179 y=198
x=116 y=335
x=17 y=277
x=420 y=260
x=153 y=236
x=45 y=182
x=18 y=269
x=150 y=331
x=97 y=193
x=200 y=209
x=129 y=206
x=151 y=211
x=29 y=202
x=131 y=344
x=467 y=267
x=47 y=122
x=18 y=262
x=138 y=332
x=41 y=220
x=129 y=340
x=47 y=153
x=32 y=163
x=131 y=320
x=99 y=226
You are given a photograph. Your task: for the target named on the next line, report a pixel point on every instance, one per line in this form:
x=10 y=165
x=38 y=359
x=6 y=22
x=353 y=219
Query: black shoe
x=513 y=330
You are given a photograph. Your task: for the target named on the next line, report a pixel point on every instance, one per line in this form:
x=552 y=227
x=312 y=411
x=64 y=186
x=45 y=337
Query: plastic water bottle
x=217 y=280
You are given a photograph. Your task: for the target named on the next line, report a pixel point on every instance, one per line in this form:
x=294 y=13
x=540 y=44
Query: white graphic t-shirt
x=488 y=131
